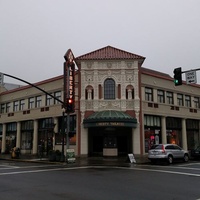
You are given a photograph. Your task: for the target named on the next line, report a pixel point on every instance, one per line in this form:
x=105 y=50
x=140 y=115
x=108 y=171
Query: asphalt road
x=22 y=181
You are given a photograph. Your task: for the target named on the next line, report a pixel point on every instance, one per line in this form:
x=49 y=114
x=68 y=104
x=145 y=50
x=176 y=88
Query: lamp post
x=68 y=129
x=63 y=134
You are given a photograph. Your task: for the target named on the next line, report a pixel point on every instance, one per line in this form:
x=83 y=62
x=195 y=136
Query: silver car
x=168 y=152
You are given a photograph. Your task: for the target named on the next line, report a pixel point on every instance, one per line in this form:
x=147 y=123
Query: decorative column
x=35 y=137
x=136 y=139
x=164 y=135
x=184 y=135
x=18 y=141
x=84 y=137
x=3 y=139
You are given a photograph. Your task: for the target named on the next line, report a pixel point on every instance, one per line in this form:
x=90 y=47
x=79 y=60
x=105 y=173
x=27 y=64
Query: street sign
x=131 y=158
x=1 y=78
x=191 y=77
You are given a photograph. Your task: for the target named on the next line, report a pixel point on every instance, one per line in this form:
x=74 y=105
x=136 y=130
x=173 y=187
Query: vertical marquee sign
x=69 y=82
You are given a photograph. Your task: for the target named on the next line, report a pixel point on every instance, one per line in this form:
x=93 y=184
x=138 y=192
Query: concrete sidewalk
x=80 y=161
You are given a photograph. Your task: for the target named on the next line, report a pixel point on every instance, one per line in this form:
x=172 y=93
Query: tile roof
x=109 y=53
x=155 y=73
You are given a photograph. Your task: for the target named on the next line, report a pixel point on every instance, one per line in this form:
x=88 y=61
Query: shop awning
x=110 y=118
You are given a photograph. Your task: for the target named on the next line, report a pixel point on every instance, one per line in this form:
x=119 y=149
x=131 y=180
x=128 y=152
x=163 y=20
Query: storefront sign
x=70 y=155
x=131 y=158
x=110 y=124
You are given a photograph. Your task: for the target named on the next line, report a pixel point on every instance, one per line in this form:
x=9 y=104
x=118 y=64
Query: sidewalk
x=81 y=161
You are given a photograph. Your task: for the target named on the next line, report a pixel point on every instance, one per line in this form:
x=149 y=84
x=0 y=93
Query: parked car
x=195 y=153
x=167 y=152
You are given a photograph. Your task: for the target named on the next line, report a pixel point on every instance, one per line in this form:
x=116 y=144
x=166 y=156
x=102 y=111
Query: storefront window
x=11 y=132
x=45 y=134
x=27 y=138
x=152 y=136
x=152 y=126
x=193 y=135
x=27 y=135
x=59 y=135
x=174 y=137
x=174 y=130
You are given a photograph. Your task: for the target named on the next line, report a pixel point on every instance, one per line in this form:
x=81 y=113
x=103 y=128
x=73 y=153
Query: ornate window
x=109 y=89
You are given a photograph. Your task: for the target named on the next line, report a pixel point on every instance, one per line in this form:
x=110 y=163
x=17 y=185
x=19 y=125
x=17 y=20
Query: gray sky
x=35 y=34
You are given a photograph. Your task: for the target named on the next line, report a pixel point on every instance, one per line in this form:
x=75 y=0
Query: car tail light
x=163 y=149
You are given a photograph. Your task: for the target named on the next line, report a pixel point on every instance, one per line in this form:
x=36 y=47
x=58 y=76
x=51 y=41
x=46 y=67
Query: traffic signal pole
x=191 y=70
x=19 y=79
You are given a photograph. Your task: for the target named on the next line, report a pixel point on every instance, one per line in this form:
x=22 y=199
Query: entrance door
x=99 y=139
x=122 y=144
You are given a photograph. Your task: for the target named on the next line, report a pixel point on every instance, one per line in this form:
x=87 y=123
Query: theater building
x=121 y=107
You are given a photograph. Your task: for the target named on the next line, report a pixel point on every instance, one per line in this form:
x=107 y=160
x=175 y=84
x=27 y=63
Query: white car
x=168 y=152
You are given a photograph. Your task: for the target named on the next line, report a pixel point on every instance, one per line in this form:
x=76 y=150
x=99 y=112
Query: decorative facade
x=121 y=107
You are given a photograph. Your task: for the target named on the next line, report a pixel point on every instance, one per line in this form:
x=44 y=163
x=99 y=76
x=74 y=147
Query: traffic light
x=70 y=105
x=177 y=76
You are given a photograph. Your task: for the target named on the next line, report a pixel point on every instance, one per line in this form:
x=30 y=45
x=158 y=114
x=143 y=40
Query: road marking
x=175 y=167
x=25 y=167
x=195 y=163
x=8 y=167
x=165 y=171
x=41 y=170
x=97 y=167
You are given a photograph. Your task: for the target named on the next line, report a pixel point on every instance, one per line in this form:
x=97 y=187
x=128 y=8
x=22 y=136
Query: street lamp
x=63 y=134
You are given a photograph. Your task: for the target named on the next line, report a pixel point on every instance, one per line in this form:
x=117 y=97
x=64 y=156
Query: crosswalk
x=187 y=169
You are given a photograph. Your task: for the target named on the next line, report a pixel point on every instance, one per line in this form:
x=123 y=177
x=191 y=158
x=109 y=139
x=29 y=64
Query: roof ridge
x=109 y=53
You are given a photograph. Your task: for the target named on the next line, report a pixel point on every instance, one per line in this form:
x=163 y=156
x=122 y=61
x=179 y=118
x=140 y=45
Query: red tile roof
x=155 y=73
x=109 y=53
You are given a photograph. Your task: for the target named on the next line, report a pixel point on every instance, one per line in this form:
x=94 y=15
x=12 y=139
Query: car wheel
x=153 y=161
x=186 y=158
x=170 y=159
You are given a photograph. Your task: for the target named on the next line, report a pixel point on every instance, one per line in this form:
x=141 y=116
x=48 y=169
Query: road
x=20 y=181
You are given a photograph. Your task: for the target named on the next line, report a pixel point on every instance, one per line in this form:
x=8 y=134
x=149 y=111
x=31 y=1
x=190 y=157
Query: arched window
x=109 y=89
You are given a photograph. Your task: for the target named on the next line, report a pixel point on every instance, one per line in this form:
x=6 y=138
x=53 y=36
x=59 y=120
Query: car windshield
x=157 y=146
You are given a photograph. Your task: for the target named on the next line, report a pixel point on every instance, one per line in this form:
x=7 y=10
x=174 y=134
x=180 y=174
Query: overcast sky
x=35 y=34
